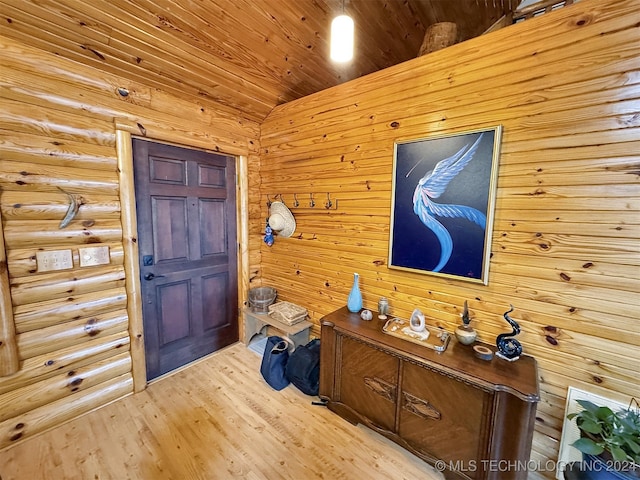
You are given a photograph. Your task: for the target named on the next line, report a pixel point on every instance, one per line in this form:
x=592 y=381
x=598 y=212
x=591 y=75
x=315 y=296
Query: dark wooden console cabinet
x=476 y=416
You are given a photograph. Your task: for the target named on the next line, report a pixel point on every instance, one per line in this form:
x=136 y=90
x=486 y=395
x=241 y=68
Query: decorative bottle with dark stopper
x=354 y=302
x=465 y=333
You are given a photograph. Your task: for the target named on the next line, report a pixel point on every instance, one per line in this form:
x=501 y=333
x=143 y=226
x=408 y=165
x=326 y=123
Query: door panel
x=164 y=170
x=170 y=229
x=368 y=382
x=437 y=411
x=212 y=239
x=210 y=176
x=173 y=302
x=215 y=312
x=188 y=257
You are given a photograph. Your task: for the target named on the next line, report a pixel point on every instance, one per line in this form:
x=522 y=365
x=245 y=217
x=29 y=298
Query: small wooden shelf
x=254 y=323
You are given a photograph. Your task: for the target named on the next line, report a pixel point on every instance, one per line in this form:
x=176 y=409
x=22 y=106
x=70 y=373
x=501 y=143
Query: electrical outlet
x=91 y=256
x=54 y=260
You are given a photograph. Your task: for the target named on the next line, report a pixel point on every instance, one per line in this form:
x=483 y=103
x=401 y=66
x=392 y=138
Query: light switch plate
x=91 y=256
x=54 y=260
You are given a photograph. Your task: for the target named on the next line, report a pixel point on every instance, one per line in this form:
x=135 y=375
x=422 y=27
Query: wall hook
x=328 y=204
x=75 y=202
x=311 y=202
x=268 y=201
x=296 y=203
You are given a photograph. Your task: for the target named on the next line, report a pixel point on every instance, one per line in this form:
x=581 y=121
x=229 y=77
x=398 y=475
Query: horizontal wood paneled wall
x=565 y=248
x=58 y=132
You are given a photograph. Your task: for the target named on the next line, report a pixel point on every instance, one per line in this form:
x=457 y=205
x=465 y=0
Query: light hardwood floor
x=216 y=419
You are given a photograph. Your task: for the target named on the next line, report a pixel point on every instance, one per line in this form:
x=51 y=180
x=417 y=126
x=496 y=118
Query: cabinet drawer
x=368 y=382
x=443 y=416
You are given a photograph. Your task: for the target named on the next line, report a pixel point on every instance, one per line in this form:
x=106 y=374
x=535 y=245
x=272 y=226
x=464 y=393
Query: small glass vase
x=383 y=308
x=354 y=302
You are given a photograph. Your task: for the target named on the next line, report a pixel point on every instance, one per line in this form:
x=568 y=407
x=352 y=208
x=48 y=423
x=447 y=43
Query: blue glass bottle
x=354 y=302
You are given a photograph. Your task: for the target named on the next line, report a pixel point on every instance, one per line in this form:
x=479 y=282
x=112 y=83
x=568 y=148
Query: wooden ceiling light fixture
x=342 y=29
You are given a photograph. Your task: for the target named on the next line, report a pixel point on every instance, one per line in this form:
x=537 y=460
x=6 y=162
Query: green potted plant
x=609 y=441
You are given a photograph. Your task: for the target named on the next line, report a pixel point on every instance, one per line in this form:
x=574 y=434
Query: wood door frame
x=9 y=358
x=125 y=130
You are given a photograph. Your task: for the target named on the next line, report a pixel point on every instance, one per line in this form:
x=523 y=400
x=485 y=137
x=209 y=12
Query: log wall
x=565 y=250
x=58 y=131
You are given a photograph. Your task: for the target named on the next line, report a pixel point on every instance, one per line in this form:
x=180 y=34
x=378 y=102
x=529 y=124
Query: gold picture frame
x=443 y=201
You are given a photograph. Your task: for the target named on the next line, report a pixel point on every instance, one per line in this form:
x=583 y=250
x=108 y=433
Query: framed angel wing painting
x=443 y=199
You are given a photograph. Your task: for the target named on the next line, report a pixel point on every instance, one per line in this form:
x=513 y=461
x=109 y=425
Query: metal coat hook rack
x=276 y=197
x=329 y=203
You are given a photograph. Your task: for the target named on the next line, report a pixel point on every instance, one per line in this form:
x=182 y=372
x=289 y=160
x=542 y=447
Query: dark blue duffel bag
x=274 y=362
x=303 y=367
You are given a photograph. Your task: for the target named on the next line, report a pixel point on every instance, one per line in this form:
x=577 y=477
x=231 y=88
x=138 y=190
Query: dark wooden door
x=188 y=257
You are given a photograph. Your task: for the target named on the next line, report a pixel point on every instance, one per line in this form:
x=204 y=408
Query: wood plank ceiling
x=244 y=55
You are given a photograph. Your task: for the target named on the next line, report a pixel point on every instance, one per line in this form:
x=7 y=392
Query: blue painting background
x=415 y=246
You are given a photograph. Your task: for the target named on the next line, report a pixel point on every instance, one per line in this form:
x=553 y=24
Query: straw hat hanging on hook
x=281 y=219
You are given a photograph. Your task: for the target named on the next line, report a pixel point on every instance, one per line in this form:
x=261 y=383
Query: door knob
x=151 y=276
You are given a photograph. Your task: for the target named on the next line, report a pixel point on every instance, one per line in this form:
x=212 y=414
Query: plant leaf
x=588 y=446
x=618 y=454
x=586 y=415
x=635 y=448
x=604 y=413
x=588 y=406
x=590 y=426
x=628 y=423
